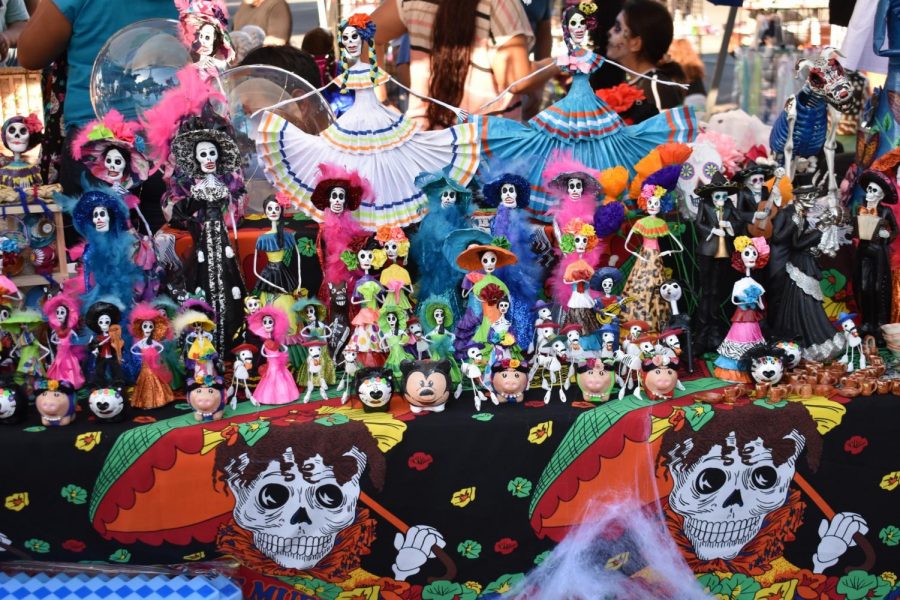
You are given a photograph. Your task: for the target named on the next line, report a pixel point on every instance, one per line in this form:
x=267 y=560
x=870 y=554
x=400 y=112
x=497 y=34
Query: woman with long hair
x=464 y=53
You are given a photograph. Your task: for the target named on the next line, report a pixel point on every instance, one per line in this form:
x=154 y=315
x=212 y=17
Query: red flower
x=144 y=419
x=492 y=294
x=420 y=461
x=535 y=404
x=73 y=545
x=856 y=444
x=621 y=97
x=359 y=20
x=583 y=404
x=506 y=546
x=33 y=123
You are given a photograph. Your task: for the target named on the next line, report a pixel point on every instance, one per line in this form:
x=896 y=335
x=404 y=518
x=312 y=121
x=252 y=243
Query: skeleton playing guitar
x=763 y=226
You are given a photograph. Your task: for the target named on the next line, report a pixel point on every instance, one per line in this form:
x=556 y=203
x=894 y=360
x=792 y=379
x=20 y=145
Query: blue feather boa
x=436 y=276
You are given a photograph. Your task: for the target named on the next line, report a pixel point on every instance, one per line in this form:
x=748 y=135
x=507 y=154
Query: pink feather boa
x=336 y=231
x=562 y=162
x=151 y=359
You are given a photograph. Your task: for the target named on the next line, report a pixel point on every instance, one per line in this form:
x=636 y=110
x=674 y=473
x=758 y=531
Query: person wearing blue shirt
x=13 y=17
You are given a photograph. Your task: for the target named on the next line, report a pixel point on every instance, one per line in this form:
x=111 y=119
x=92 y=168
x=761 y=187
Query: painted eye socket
x=709 y=480
x=764 y=477
x=273 y=495
x=329 y=495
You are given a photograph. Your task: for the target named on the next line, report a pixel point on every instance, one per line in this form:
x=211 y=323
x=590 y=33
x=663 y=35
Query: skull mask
x=206 y=38
x=295 y=511
x=719 y=198
x=725 y=495
x=767 y=369
x=351 y=41
x=577 y=28
x=115 y=165
x=336 y=200
x=207 y=155
x=448 y=198
x=575 y=187
x=489 y=261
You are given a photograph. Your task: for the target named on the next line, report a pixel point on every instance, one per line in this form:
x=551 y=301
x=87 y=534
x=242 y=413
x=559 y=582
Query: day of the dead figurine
x=437 y=315
x=853 y=354
x=204 y=31
x=62 y=315
x=107 y=405
x=13 y=402
x=426 y=384
x=594 y=380
x=374 y=386
x=206 y=395
x=366 y=295
x=276 y=385
x=104 y=320
x=766 y=363
x=281 y=277
x=19 y=135
x=317 y=371
x=149 y=327
x=509 y=380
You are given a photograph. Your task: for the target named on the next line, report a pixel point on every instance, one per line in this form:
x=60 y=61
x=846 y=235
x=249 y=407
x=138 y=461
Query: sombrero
x=470 y=258
x=717 y=183
x=882 y=181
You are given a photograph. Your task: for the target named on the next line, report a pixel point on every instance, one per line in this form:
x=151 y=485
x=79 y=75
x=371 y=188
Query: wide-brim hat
x=882 y=181
x=23 y=317
x=717 y=183
x=560 y=183
x=459 y=240
x=428 y=307
x=606 y=273
x=571 y=327
x=437 y=181
x=238 y=349
x=94 y=152
x=541 y=304
x=547 y=325
x=301 y=305
x=184 y=144
x=470 y=258
x=672 y=331
x=755 y=168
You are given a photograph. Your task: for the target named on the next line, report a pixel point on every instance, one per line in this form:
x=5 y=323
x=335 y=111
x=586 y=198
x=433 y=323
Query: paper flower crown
x=574 y=228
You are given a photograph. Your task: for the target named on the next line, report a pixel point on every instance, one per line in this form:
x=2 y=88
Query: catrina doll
x=338 y=193
x=394 y=276
x=385 y=147
x=576 y=189
x=104 y=320
x=196 y=330
x=510 y=194
x=279 y=279
x=366 y=295
x=198 y=147
x=435 y=312
x=578 y=240
x=448 y=206
x=31 y=353
x=276 y=385
x=150 y=327
x=392 y=324
x=648 y=272
x=19 y=135
x=55 y=401
x=204 y=31
x=62 y=315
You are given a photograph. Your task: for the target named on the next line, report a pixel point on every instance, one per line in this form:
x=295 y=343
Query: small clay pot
x=883 y=386
x=879 y=369
x=762 y=390
x=895 y=387
x=713 y=397
x=823 y=389
x=796 y=377
x=732 y=393
x=826 y=378
x=868 y=387
x=850 y=392
x=777 y=394
x=806 y=390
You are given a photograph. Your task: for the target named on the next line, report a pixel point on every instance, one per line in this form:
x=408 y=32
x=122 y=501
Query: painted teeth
x=301 y=547
x=721 y=532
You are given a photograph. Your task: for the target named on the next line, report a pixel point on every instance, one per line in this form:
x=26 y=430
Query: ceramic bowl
x=890 y=329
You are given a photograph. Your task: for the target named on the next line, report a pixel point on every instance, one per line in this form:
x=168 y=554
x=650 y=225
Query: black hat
x=98 y=309
x=882 y=181
x=755 y=168
x=717 y=183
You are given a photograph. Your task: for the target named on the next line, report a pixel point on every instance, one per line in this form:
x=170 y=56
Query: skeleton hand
x=759 y=215
x=837 y=537
x=414 y=550
x=718 y=231
x=884 y=233
x=229 y=253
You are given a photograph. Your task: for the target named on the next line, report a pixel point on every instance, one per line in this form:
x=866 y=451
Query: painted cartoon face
x=273 y=210
x=874 y=194
x=793 y=352
x=660 y=382
x=207 y=155
x=607 y=285
x=62 y=313
x=205 y=399
x=336 y=199
x=17 y=137
x=365 y=258
x=545 y=313
x=577 y=26
x=268 y=324
x=351 y=41
x=767 y=369
x=508 y=195
x=749 y=256
x=391 y=319
x=114 y=162
x=101 y=219
x=106 y=403
x=425 y=386
x=448 y=198
x=474 y=355
x=147 y=328
x=438 y=316
x=755 y=182
x=52 y=404
x=206 y=38
x=595 y=383
x=653 y=204
x=510 y=384
x=489 y=261
x=103 y=322
x=575 y=187
x=375 y=390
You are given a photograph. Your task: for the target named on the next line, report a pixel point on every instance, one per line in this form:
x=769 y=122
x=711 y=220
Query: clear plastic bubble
x=252 y=87
x=135 y=66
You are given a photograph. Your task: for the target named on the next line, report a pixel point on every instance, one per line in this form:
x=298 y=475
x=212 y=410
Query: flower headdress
x=364 y=24
x=32 y=124
x=577 y=227
x=194 y=14
x=112 y=131
x=762 y=250
x=508 y=364
x=388 y=233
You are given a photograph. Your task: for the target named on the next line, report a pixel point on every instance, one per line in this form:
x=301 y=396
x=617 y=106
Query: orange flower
x=359 y=20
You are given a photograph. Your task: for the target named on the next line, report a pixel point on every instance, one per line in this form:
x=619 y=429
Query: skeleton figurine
x=337 y=312
x=548 y=359
x=19 y=135
x=544 y=315
x=351 y=366
x=317 y=371
x=472 y=367
x=671 y=292
x=854 y=342
x=629 y=357
x=243 y=367
x=668 y=344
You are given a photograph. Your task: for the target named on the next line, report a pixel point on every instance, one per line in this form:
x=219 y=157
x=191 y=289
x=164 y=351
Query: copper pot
x=879 y=369
x=732 y=393
x=777 y=394
x=827 y=378
x=895 y=387
x=850 y=392
x=869 y=386
x=762 y=390
x=883 y=386
x=796 y=377
x=823 y=389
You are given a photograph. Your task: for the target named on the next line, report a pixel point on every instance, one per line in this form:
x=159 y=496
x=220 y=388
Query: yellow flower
x=17 y=501
x=86 y=441
x=890 y=481
x=540 y=432
x=463 y=497
x=587 y=8
x=890 y=577
x=195 y=556
x=741 y=242
x=53 y=385
x=514 y=363
x=474 y=586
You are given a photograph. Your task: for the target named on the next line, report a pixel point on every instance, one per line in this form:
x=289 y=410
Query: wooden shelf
x=62 y=268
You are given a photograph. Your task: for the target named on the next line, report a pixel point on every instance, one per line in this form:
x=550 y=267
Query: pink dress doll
x=62 y=314
x=746 y=294
x=276 y=385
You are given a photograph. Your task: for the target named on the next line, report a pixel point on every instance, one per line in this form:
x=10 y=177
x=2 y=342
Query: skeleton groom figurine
x=876 y=228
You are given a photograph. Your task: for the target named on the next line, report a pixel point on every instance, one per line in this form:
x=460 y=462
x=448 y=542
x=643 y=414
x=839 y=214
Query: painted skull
x=545 y=313
x=252 y=304
x=848 y=326
x=9 y=402
x=115 y=164
x=793 y=352
x=62 y=314
x=101 y=219
x=392 y=249
x=874 y=194
x=474 y=355
x=755 y=182
x=273 y=210
x=575 y=187
x=672 y=341
x=670 y=291
x=295 y=509
x=508 y=195
x=337 y=198
x=581 y=243
x=438 y=316
x=207 y=155
x=577 y=28
x=489 y=261
x=365 y=258
x=448 y=198
x=749 y=256
x=727 y=493
x=374 y=387
x=17 y=137
x=698 y=170
x=268 y=324
x=607 y=285
x=104 y=321
x=826 y=78
x=206 y=38
x=719 y=198
x=351 y=41
x=767 y=369
x=503 y=307
x=653 y=205
x=147 y=328
x=106 y=403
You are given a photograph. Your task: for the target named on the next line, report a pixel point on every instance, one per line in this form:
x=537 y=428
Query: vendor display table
x=500 y=486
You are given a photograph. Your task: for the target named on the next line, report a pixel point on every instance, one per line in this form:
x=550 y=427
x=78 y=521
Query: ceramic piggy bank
x=55 y=400
x=509 y=379
x=660 y=377
x=374 y=387
x=595 y=380
x=426 y=384
x=206 y=395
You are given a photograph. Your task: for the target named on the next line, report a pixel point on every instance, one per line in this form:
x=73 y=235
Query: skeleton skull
x=489 y=261
x=503 y=307
x=653 y=204
x=719 y=198
x=749 y=255
x=273 y=210
x=295 y=511
x=607 y=285
x=207 y=154
x=474 y=355
x=438 y=316
x=268 y=324
x=104 y=321
x=336 y=199
x=115 y=165
x=17 y=137
x=252 y=304
x=62 y=314
x=352 y=41
x=147 y=328
x=508 y=195
x=545 y=314
x=581 y=242
x=101 y=219
x=577 y=28
x=391 y=249
x=874 y=194
x=365 y=258
x=206 y=38
x=755 y=182
x=448 y=198
x=670 y=291
x=727 y=493
x=575 y=188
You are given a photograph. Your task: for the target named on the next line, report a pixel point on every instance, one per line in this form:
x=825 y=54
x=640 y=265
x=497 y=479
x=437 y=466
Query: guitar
x=612 y=311
x=763 y=226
